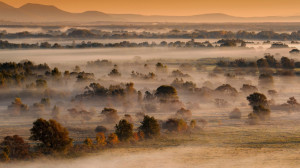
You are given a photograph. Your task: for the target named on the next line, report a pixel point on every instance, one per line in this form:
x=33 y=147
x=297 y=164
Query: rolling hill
x=44 y=14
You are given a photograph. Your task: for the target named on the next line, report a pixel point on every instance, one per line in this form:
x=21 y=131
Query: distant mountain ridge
x=46 y=13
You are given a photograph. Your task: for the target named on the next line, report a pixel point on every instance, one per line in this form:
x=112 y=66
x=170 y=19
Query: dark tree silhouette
x=260 y=106
x=166 y=94
x=150 y=127
x=111 y=115
x=124 y=130
x=15 y=147
x=51 y=134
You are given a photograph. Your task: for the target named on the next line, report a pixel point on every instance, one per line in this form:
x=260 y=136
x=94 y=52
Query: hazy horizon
x=174 y=8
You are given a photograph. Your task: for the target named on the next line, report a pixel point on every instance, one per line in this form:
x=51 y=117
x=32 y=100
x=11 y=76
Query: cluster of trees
x=29 y=75
x=175 y=33
x=51 y=137
x=89 y=44
x=266 y=65
x=137 y=75
x=14 y=74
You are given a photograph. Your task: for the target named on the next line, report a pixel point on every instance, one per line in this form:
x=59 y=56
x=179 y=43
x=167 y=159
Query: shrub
x=111 y=115
x=184 y=113
x=176 y=125
x=112 y=139
x=114 y=73
x=101 y=129
x=235 y=114
x=193 y=124
x=100 y=139
x=88 y=142
x=150 y=127
x=14 y=147
x=18 y=107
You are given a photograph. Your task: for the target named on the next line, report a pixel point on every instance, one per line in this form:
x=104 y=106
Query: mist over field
x=103 y=90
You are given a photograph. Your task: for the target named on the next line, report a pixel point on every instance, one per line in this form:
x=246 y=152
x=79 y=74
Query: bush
x=112 y=139
x=124 y=130
x=100 y=139
x=150 y=127
x=88 y=142
x=193 y=124
x=260 y=106
x=111 y=115
x=101 y=129
x=14 y=147
x=114 y=73
x=235 y=114
x=18 y=107
x=184 y=113
x=176 y=125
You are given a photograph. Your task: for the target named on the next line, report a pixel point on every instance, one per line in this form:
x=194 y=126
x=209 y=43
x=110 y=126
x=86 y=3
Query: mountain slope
x=44 y=13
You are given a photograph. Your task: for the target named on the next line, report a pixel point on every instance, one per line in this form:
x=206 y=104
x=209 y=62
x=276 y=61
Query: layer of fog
x=179 y=157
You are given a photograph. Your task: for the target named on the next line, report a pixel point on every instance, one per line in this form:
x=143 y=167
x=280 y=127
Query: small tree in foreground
x=100 y=139
x=124 y=130
x=14 y=147
x=51 y=134
x=112 y=139
x=150 y=127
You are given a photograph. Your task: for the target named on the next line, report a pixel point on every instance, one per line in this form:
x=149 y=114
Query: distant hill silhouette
x=45 y=13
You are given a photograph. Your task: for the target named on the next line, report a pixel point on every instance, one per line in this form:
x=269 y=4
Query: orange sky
x=175 y=7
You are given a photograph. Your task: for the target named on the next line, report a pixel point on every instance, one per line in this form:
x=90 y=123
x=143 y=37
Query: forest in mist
x=149 y=95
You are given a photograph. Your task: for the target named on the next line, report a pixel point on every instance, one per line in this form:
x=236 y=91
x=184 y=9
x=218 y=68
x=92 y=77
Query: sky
x=175 y=7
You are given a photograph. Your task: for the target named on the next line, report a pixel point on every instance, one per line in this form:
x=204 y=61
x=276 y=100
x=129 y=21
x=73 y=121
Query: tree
x=101 y=129
x=184 y=113
x=150 y=127
x=111 y=115
x=100 y=139
x=166 y=93
x=114 y=73
x=161 y=68
x=227 y=90
x=260 y=106
x=248 y=88
x=41 y=83
x=112 y=139
x=51 y=134
x=257 y=99
x=18 y=107
x=292 y=102
x=15 y=147
x=287 y=63
x=124 y=130
x=176 y=125
x=88 y=142
x=193 y=124
x=235 y=114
